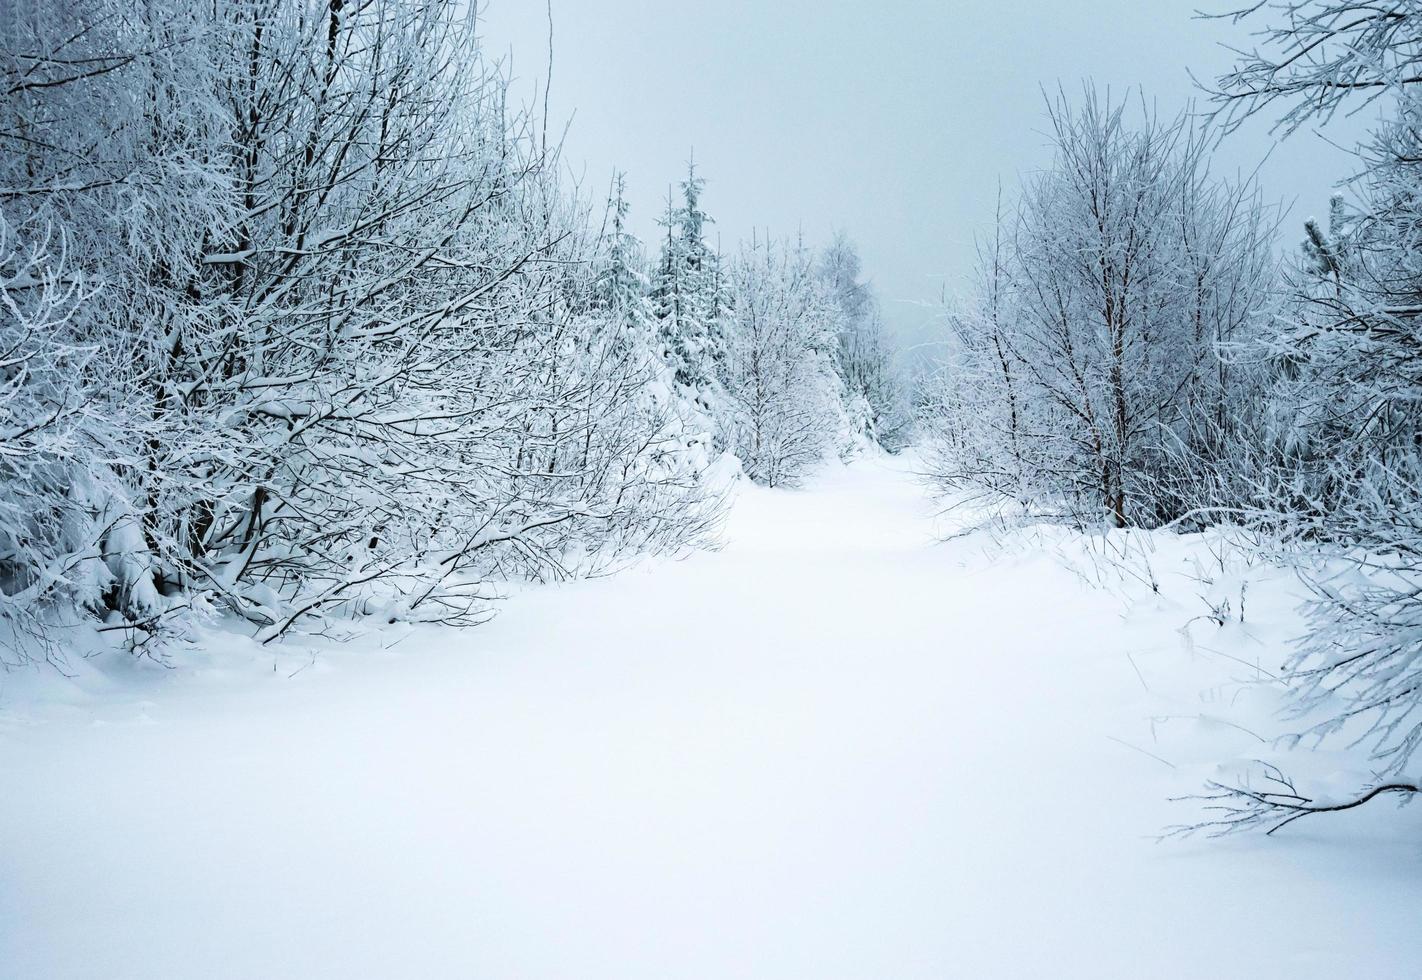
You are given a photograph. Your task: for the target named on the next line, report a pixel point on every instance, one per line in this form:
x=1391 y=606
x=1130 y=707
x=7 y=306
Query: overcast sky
x=891 y=119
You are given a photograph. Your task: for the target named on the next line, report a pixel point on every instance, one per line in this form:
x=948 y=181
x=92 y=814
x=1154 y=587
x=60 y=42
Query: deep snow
x=835 y=748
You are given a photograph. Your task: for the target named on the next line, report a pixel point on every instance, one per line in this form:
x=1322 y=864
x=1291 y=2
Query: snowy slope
x=832 y=749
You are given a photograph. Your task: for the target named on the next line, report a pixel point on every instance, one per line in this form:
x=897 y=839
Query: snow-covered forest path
x=832 y=749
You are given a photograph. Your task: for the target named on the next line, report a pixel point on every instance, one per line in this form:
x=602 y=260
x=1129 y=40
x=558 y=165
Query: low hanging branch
x=1243 y=807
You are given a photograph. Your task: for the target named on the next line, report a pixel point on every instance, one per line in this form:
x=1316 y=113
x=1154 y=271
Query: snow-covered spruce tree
x=1348 y=404
x=342 y=318
x=1126 y=272
x=873 y=398
x=622 y=284
x=688 y=294
x=780 y=376
x=623 y=295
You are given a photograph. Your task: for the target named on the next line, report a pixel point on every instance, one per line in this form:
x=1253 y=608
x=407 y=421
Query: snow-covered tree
x=874 y=400
x=688 y=296
x=780 y=373
x=1099 y=342
x=622 y=283
x=977 y=410
x=622 y=295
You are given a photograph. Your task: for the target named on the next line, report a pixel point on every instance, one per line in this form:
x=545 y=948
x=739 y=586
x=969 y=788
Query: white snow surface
x=835 y=748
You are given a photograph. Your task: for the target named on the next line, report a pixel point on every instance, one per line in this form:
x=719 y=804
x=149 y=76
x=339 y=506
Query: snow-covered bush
x=299 y=318
x=110 y=141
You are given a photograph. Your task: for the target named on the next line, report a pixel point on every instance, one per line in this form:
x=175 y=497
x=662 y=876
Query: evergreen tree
x=688 y=296
x=622 y=288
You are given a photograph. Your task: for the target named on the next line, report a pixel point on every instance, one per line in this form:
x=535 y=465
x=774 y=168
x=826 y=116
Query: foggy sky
x=893 y=120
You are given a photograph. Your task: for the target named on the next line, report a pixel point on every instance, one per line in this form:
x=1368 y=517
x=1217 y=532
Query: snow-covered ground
x=833 y=749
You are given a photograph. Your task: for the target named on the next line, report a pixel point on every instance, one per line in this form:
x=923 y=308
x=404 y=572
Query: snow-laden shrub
x=299 y=318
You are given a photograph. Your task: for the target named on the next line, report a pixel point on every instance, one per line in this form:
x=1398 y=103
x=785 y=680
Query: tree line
x=300 y=322
x=1137 y=354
